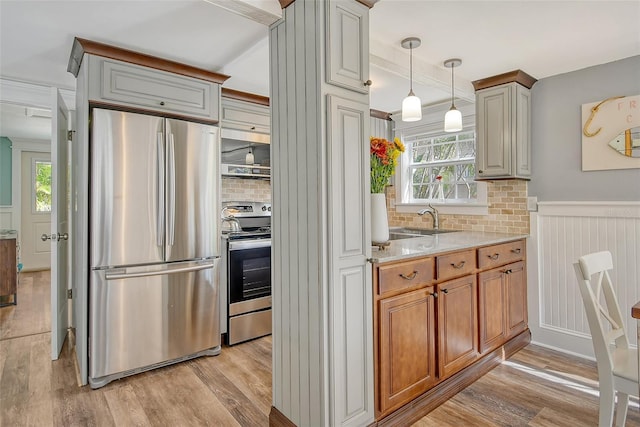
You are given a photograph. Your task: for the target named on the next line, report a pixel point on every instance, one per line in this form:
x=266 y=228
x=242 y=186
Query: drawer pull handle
x=509 y=271
x=410 y=276
x=494 y=256
x=516 y=250
x=458 y=265
x=445 y=291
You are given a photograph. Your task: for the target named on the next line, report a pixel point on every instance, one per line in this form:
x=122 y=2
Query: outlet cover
x=532 y=204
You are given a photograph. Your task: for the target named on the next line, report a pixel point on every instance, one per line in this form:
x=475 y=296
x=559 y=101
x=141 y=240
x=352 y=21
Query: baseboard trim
x=422 y=405
x=278 y=419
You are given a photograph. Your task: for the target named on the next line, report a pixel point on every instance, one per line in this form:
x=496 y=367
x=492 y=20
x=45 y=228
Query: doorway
x=35 y=210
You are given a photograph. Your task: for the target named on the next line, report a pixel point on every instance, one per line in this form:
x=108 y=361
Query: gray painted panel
x=557 y=134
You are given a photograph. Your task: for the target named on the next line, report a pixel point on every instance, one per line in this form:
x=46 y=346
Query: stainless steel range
x=246 y=268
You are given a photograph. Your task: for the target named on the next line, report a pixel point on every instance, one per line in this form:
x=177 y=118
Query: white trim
x=590 y=209
x=562 y=350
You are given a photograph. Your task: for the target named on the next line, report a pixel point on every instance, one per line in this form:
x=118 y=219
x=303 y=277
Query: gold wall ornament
x=594 y=110
x=610 y=133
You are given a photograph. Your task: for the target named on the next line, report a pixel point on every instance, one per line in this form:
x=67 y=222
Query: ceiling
x=543 y=38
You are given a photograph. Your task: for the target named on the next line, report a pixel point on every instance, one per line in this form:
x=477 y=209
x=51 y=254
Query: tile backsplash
x=507 y=211
x=244 y=189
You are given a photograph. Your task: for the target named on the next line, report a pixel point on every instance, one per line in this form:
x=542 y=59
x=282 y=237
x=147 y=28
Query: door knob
x=55 y=237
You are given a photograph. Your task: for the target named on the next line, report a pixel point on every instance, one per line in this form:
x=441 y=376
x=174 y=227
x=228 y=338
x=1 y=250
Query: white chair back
x=617 y=368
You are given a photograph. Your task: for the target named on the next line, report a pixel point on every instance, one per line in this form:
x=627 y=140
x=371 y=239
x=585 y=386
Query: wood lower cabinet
x=457 y=325
x=407 y=359
x=437 y=315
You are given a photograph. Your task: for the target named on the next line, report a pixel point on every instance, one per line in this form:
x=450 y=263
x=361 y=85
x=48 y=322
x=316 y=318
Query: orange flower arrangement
x=384 y=158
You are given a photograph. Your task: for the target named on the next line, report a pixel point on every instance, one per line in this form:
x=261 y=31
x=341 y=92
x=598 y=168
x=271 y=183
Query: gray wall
x=557 y=134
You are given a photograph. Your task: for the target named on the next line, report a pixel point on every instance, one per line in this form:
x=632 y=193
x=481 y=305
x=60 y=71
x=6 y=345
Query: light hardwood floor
x=536 y=387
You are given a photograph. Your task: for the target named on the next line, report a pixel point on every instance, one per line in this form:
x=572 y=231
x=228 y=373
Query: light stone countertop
x=430 y=245
x=8 y=234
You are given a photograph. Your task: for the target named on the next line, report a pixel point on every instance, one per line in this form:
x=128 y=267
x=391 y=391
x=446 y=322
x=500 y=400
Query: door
x=35 y=210
x=492 y=307
x=59 y=223
x=516 y=290
x=407 y=347
x=127 y=189
x=192 y=208
x=457 y=325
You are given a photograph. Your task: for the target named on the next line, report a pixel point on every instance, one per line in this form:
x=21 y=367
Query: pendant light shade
x=249 y=159
x=453 y=118
x=411 y=105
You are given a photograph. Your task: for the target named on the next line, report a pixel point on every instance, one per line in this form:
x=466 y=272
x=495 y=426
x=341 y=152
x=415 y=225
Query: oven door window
x=249 y=274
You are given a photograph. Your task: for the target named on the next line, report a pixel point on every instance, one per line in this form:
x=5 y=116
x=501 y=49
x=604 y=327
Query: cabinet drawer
x=405 y=275
x=456 y=264
x=496 y=255
x=245 y=116
x=120 y=83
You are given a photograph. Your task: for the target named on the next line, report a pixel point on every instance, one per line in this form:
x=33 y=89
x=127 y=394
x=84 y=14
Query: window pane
x=43 y=186
x=467 y=149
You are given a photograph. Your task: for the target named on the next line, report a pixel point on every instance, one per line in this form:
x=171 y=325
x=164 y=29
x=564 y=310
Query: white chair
x=618 y=364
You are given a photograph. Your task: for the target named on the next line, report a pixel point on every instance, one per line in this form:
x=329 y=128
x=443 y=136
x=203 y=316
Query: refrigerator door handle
x=160 y=190
x=171 y=203
x=119 y=274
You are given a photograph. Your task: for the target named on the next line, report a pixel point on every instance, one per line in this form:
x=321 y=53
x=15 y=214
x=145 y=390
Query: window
x=42 y=186
x=440 y=167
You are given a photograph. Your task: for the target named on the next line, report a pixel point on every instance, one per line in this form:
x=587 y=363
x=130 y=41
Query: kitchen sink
x=408 y=233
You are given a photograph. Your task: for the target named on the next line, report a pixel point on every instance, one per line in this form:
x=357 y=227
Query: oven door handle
x=249 y=244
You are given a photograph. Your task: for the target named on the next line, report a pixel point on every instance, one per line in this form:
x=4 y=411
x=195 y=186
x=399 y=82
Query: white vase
x=379 y=223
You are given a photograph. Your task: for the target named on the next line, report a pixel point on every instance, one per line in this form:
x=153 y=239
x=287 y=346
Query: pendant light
x=249 y=159
x=411 y=105
x=453 y=118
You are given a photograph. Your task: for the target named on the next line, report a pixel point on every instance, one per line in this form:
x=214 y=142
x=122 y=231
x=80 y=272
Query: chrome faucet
x=434 y=214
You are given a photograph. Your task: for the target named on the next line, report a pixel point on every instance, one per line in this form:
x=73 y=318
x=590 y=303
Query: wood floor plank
x=125 y=407
x=243 y=409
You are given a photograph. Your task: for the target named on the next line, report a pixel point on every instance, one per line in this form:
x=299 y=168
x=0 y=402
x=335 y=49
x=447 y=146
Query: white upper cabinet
x=348 y=45
x=120 y=83
x=503 y=125
x=243 y=115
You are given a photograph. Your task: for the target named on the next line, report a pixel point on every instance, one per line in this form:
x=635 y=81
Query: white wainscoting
x=560 y=233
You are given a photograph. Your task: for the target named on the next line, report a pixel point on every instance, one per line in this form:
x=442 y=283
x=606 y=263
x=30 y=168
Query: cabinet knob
x=445 y=291
x=161 y=102
x=516 y=250
x=368 y=83
x=253 y=128
x=494 y=256
x=434 y=294
x=480 y=171
x=509 y=271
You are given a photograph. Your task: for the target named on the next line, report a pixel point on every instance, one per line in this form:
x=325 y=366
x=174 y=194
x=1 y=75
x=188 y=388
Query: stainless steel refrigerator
x=153 y=241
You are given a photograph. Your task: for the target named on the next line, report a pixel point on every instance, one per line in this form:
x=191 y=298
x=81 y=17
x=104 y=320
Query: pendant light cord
x=410 y=68
x=452 y=105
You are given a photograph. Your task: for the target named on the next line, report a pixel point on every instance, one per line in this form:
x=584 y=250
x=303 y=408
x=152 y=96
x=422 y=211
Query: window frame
x=432 y=125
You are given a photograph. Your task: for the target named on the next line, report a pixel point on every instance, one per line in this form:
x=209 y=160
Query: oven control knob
x=269 y=208
x=264 y=208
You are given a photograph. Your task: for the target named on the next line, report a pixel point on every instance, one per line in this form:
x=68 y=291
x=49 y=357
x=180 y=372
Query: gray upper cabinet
x=245 y=116
x=503 y=125
x=348 y=45
x=130 y=85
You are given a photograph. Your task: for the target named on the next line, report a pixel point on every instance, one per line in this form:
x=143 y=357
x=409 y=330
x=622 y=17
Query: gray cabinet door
x=522 y=114
x=348 y=45
x=493 y=109
x=245 y=116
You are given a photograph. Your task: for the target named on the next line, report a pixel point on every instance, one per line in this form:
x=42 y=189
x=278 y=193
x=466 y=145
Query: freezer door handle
x=172 y=190
x=160 y=190
x=122 y=274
